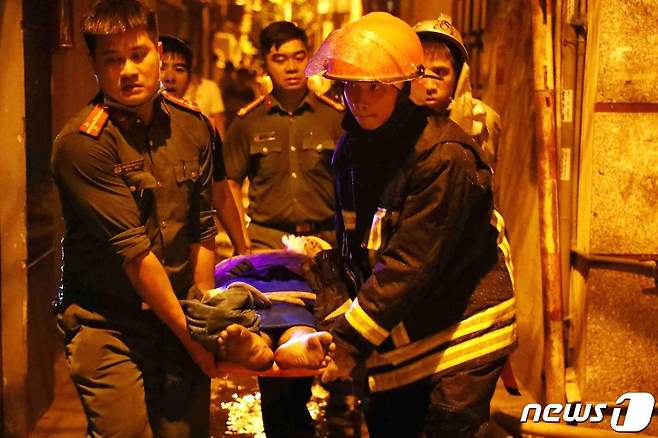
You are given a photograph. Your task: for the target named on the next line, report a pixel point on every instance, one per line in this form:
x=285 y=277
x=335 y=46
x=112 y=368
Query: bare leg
x=303 y=347
x=244 y=347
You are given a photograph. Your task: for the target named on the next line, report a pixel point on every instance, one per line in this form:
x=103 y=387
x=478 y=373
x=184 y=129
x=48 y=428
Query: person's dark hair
x=279 y=33
x=172 y=44
x=435 y=47
x=112 y=17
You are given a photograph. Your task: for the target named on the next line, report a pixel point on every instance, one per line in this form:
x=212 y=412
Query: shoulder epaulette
x=95 y=121
x=251 y=105
x=329 y=101
x=181 y=102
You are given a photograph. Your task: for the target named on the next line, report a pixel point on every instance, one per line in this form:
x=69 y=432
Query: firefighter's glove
x=326 y=277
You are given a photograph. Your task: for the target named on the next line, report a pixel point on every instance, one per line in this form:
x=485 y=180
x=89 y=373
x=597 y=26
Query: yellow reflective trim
x=400 y=336
x=341 y=310
x=505 y=249
x=499 y=223
x=375 y=237
x=365 y=325
x=480 y=321
x=443 y=360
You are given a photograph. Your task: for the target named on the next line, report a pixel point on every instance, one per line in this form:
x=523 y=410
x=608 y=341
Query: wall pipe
x=643 y=267
x=544 y=98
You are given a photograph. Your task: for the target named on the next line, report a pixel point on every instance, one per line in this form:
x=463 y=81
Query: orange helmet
x=377 y=47
x=443 y=30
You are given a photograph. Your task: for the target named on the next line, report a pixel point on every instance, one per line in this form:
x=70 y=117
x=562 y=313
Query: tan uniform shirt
x=287 y=158
x=127 y=189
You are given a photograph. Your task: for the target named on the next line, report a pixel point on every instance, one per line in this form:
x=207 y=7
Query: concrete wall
x=618 y=194
x=13 y=235
x=624 y=217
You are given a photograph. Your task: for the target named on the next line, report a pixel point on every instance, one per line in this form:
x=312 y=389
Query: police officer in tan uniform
x=176 y=75
x=283 y=143
x=134 y=173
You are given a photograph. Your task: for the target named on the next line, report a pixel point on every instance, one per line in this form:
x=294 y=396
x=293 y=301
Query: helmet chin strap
x=109 y=101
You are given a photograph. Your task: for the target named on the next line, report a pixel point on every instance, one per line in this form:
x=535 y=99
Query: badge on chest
x=263 y=137
x=130 y=166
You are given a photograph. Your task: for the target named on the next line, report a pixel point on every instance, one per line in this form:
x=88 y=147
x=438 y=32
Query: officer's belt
x=301 y=227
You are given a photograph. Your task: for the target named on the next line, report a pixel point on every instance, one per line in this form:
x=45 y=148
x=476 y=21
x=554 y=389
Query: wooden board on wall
x=13 y=248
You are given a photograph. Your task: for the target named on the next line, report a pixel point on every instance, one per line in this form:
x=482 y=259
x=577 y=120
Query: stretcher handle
x=274 y=371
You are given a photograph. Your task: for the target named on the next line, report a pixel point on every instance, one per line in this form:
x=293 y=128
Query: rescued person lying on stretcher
x=281 y=332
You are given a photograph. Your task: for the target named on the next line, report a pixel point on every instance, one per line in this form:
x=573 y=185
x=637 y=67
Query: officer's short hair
x=279 y=33
x=172 y=44
x=112 y=17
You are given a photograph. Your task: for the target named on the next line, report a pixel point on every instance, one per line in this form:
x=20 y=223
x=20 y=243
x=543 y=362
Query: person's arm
x=235 y=158
x=202 y=239
x=439 y=201
x=228 y=208
x=202 y=257
x=151 y=282
x=227 y=200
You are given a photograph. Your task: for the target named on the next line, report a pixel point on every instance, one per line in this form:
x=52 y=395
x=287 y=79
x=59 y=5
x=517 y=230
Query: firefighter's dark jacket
x=422 y=248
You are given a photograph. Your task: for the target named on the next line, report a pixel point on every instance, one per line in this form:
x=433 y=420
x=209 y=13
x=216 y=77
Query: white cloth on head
x=478 y=119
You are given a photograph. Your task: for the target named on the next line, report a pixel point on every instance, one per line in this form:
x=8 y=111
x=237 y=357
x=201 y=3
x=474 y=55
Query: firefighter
x=421 y=252
x=446 y=86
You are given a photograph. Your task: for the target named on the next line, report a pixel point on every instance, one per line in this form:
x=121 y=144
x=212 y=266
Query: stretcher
x=277 y=275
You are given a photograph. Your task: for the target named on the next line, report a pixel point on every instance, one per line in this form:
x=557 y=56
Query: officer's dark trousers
x=133 y=377
x=283 y=403
x=455 y=405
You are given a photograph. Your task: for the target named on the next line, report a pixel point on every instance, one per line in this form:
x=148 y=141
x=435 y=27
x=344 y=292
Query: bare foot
x=308 y=350
x=244 y=347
